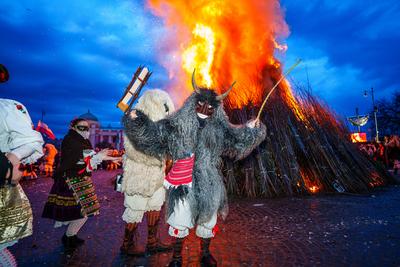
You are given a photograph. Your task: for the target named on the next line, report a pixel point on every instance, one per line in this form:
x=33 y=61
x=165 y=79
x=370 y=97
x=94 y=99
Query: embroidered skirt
x=71 y=199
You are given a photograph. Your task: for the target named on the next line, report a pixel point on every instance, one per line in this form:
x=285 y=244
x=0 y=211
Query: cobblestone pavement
x=330 y=230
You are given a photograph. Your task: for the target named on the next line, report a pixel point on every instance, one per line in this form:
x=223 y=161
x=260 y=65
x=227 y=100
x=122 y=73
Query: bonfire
x=307 y=149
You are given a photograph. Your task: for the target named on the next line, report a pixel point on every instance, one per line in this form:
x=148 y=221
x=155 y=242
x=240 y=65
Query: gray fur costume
x=181 y=134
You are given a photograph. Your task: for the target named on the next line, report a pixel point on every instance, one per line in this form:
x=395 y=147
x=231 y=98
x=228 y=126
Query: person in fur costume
x=143 y=179
x=196 y=136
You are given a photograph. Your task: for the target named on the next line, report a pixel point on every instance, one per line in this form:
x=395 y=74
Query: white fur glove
x=253 y=124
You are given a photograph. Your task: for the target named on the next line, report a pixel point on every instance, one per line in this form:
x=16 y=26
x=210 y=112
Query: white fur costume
x=144 y=175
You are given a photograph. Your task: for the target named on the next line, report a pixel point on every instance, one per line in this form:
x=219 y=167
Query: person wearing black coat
x=72 y=198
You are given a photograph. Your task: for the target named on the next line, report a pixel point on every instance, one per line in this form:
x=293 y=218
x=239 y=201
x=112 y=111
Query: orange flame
x=312 y=185
x=201 y=53
x=224 y=41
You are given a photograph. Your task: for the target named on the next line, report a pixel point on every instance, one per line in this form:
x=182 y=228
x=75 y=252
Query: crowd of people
x=171 y=157
x=190 y=141
x=386 y=152
x=72 y=198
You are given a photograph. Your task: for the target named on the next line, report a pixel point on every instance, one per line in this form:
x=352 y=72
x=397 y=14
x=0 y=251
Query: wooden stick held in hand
x=273 y=88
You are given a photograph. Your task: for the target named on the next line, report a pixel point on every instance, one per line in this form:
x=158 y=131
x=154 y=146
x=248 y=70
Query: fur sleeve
x=145 y=135
x=239 y=141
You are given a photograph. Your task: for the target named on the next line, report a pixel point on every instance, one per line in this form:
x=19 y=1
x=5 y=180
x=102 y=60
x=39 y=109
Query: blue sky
x=66 y=57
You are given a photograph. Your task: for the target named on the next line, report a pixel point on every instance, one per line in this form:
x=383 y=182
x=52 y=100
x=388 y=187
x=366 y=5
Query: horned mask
x=207 y=100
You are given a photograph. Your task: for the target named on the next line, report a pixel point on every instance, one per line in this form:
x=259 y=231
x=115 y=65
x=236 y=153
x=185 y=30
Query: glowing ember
x=376 y=180
x=311 y=185
x=313 y=189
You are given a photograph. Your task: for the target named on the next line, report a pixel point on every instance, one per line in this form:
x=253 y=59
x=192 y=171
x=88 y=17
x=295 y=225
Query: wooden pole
x=273 y=88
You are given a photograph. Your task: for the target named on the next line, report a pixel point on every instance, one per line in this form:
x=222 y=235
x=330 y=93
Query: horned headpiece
x=218 y=97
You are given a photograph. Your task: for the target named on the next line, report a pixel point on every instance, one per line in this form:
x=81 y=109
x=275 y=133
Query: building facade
x=101 y=136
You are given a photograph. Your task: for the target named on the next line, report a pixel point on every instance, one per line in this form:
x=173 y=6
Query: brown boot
x=129 y=244
x=153 y=244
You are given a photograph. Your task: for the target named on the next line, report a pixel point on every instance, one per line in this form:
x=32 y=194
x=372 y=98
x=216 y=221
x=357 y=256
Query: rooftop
x=89 y=116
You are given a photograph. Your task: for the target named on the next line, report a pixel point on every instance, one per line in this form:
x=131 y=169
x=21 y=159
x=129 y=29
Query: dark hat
x=4 y=76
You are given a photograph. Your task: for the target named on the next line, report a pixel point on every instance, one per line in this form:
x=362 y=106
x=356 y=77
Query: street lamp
x=375 y=111
x=358 y=126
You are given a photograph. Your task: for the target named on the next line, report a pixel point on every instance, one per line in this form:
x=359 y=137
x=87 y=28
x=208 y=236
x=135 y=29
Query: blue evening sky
x=65 y=57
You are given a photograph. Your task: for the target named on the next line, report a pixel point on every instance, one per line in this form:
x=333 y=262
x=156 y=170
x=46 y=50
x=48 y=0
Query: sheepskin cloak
x=144 y=174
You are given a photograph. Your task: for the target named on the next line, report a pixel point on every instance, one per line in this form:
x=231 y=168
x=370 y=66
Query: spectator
x=29 y=171
x=110 y=164
x=49 y=158
x=393 y=146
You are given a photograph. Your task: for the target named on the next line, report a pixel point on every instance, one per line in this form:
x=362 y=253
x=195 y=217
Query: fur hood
x=156 y=104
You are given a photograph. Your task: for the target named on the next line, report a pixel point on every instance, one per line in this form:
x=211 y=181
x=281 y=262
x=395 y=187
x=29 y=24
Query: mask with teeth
x=207 y=100
x=204 y=109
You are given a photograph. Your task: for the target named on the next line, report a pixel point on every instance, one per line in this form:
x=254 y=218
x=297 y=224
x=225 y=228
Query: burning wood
x=306 y=150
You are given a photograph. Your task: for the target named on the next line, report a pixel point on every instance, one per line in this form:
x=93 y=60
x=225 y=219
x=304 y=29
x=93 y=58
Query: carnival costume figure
x=19 y=144
x=51 y=152
x=142 y=184
x=72 y=198
x=196 y=136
